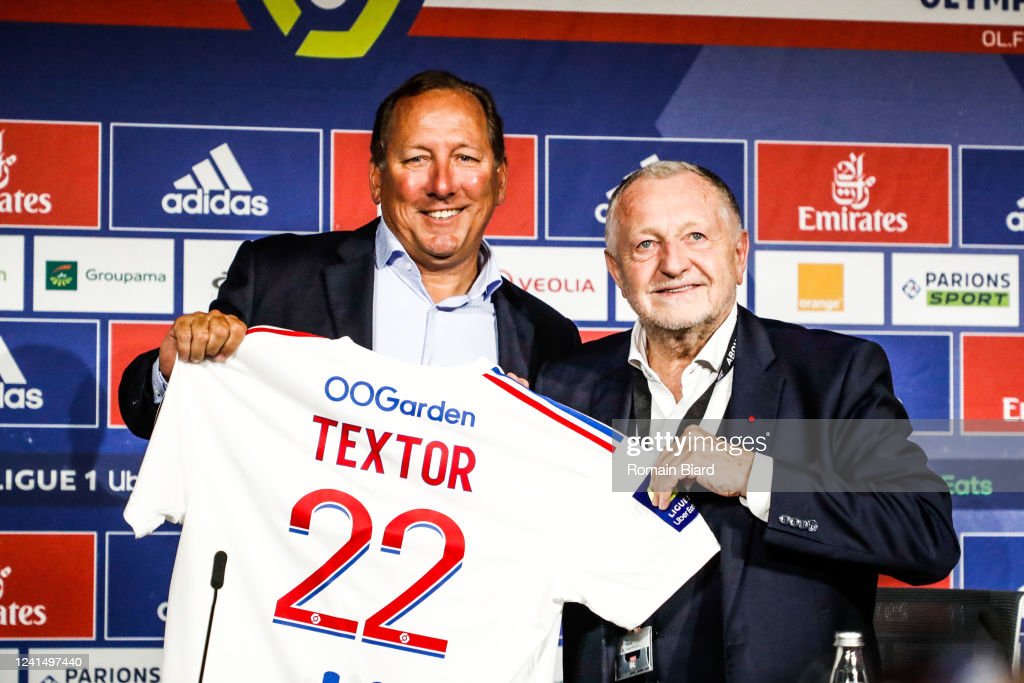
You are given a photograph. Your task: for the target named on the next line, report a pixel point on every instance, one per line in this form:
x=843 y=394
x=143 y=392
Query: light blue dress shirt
x=409 y=326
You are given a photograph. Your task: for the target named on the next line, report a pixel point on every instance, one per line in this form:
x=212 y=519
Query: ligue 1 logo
x=349 y=43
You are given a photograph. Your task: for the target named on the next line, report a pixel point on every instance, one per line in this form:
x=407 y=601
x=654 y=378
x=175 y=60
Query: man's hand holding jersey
x=197 y=336
x=721 y=471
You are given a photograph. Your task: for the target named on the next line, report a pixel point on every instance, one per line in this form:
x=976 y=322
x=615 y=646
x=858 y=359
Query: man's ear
x=613 y=268
x=374 y=183
x=742 y=251
x=502 y=176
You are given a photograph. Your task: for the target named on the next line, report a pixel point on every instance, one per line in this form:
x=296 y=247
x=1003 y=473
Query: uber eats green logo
x=62 y=275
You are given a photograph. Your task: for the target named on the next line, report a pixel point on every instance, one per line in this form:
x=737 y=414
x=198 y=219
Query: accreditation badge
x=635 y=655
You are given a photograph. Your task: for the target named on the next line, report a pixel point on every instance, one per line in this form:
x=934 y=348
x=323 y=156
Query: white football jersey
x=387 y=522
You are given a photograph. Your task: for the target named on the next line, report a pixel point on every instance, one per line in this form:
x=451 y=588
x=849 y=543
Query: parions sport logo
x=216 y=186
x=15 y=391
x=970 y=288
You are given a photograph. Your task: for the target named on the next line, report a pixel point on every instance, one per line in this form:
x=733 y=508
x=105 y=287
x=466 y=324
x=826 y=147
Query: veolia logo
x=351 y=43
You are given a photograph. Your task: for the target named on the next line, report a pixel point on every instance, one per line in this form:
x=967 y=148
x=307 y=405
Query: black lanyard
x=642 y=391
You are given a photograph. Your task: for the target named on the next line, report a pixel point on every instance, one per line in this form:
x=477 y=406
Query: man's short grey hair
x=660 y=170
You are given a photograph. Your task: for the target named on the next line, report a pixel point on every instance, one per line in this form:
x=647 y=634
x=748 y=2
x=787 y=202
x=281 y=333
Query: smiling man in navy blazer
x=800 y=558
x=419 y=284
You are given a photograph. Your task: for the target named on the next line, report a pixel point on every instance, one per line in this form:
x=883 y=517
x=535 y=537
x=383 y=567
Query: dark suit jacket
x=779 y=591
x=323 y=284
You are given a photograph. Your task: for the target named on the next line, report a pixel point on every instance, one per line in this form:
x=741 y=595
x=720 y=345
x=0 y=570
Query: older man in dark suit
x=805 y=526
x=419 y=284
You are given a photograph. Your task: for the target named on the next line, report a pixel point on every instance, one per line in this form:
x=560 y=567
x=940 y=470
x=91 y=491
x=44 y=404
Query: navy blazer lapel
x=515 y=334
x=756 y=387
x=349 y=287
x=611 y=397
x=756 y=393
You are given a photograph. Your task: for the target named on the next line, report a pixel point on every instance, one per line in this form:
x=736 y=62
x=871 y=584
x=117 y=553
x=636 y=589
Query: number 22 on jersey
x=377 y=629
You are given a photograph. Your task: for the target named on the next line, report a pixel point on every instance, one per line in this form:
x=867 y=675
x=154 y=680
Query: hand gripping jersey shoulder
x=389 y=522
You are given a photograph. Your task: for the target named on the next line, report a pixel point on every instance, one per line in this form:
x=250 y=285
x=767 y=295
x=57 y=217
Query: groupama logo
x=351 y=43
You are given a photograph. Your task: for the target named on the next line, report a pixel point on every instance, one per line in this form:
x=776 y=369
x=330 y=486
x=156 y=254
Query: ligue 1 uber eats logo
x=216 y=186
x=15 y=394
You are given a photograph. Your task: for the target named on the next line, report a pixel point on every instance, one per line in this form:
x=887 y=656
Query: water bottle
x=849 y=665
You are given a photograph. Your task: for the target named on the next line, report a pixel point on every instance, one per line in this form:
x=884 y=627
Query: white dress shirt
x=697 y=377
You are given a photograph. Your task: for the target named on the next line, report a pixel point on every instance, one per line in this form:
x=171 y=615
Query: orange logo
x=819 y=287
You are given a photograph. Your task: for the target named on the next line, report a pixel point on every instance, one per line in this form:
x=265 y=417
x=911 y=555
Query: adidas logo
x=216 y=186
x=17 y=396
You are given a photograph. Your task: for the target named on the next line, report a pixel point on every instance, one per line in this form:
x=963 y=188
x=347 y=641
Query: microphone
x=220 y=561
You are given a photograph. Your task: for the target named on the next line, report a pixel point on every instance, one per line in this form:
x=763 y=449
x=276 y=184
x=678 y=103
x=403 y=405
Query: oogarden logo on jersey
x=49 y=174
x=211 y=178
x=864 y=194
x=389 y=399
x=62 y=275
x=583 y=172
x=217 y=186
x=47 y=585
x=48 y=373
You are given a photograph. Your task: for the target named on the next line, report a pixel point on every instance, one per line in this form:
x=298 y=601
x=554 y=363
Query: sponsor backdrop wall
x=877 y=148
